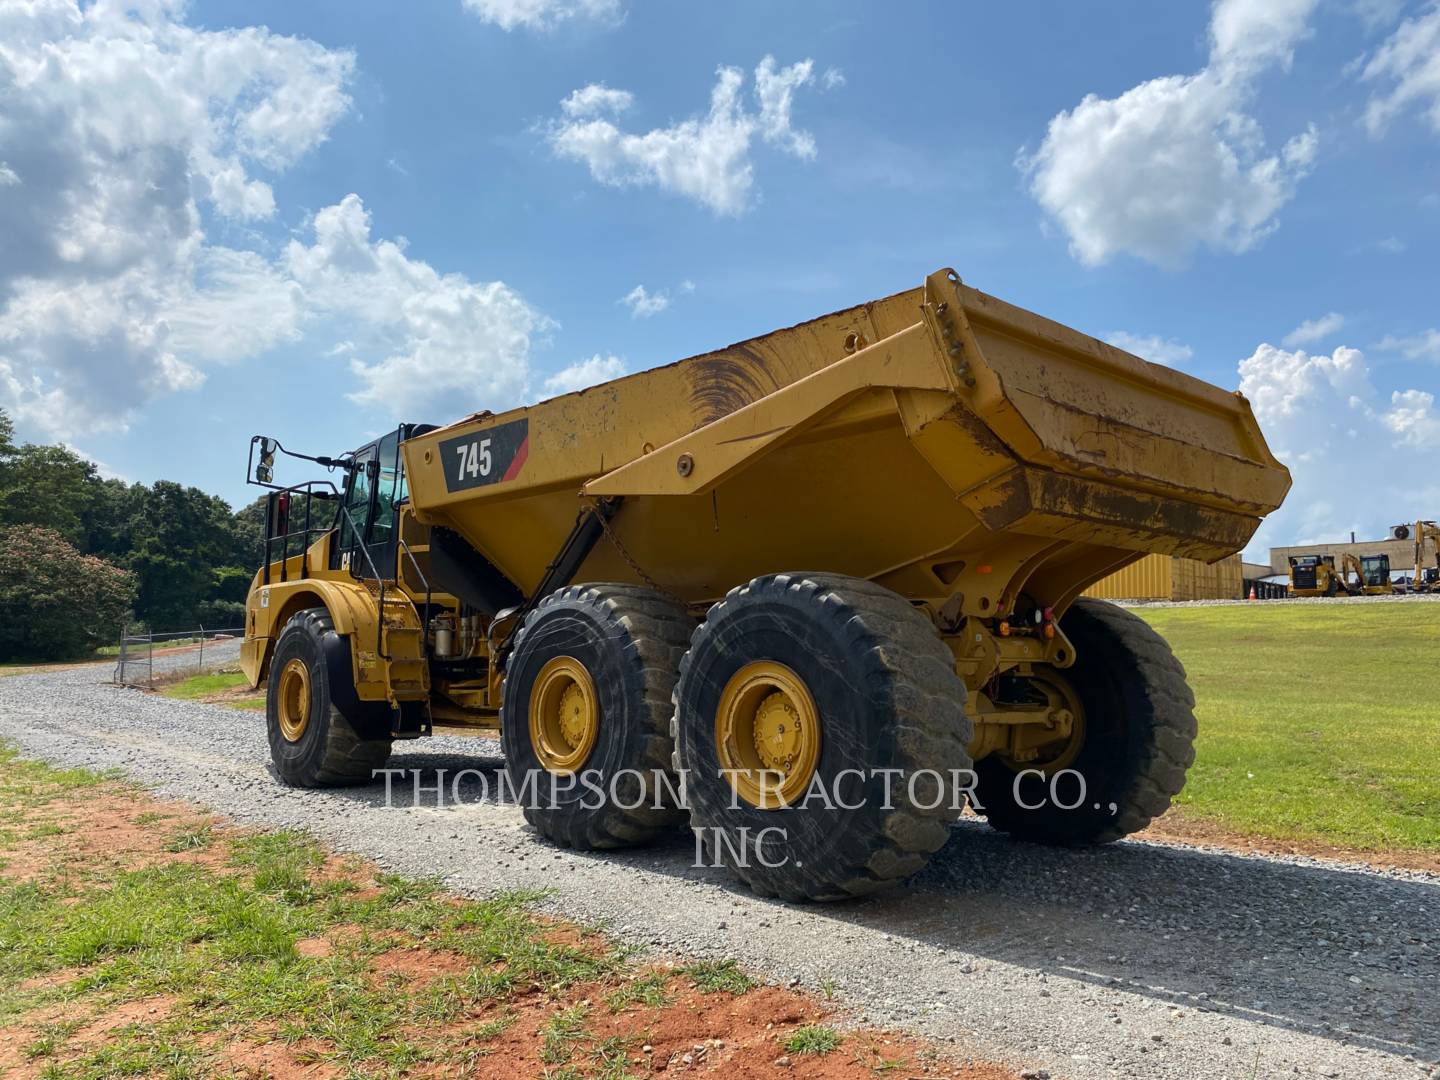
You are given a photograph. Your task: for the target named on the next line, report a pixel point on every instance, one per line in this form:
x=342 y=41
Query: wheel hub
x=564 y=715
x=767 y=735
x=292 y=699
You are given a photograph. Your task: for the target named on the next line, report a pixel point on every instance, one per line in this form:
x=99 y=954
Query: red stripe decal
x=516 y=463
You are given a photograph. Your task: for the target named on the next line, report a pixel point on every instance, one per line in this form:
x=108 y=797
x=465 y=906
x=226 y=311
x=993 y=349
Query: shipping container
x=1164 y=577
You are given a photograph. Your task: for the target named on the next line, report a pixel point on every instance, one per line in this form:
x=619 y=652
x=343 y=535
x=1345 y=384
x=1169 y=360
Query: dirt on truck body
x=795 y=590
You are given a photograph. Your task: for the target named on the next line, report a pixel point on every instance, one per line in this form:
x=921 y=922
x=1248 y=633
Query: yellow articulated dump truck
x=811 y=592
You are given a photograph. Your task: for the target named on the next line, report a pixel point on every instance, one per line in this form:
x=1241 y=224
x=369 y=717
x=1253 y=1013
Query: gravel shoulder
x=1137 y=960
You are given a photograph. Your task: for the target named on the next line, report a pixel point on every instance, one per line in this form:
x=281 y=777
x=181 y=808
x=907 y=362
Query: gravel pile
x=1137 y=960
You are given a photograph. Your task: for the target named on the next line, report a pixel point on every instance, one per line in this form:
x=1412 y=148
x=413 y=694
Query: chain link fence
x=145 y=655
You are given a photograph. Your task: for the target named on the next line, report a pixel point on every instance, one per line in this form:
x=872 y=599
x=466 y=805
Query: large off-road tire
x=320 y=734
x=880 y=687
x=1138 y=738
x=615 y=649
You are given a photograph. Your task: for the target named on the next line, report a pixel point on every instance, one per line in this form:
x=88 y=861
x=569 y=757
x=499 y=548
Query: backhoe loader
x=1375 y=575
x=810 y=592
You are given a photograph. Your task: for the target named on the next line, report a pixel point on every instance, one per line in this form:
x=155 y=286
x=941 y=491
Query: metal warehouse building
x=1164 y=577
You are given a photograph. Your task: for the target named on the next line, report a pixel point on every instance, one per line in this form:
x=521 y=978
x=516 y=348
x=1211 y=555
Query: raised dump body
x=814 y=591
x=939 y=441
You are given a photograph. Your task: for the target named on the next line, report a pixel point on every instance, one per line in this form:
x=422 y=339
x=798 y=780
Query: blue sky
x=317 y=220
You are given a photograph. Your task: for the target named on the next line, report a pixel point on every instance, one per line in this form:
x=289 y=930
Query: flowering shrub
x=56 y=604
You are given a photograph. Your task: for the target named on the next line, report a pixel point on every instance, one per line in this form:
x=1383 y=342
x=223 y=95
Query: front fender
x=354 y=613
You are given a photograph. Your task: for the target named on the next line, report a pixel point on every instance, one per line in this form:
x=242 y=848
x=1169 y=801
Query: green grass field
x=1318 y=721
x=203 y=687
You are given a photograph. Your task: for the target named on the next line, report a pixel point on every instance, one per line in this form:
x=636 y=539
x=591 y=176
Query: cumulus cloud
x=1325 y=418
x=119 y=127
x=541 y=14
x=1312 y=330
x=1422 y=346
x=1407 y=64
x=1413 y=419
x=1169 y=352
x=1177 y=163
x=596 y=99
x=705 y=158
x=436 y=339
x=643 y=304
x=583 y=373
x=122 y=129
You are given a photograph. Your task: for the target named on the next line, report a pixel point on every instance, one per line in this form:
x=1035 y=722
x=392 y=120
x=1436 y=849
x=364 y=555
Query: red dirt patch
x=418 y=968
x=1176 y=825
x=111 y=829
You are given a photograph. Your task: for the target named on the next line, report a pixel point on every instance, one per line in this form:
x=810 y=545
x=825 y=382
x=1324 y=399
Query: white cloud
x=1177 y=163
x=1422 y=346
x=643 y=304
x=1312 y=330
x=705 y=158
x=1170 y=352
x=1408 y=63
x=1412 y=417
x=583 y=373
x=541 y=14
x=120 y=124
x=832 y=79
x=1324 y=417
x=441 y=341
x=122 y=129
x=595 y=99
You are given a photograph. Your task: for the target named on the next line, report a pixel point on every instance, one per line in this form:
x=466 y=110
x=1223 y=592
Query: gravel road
x=1137 y=960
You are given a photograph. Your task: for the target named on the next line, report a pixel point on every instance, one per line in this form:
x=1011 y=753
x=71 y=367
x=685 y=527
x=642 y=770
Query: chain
x=630 y=559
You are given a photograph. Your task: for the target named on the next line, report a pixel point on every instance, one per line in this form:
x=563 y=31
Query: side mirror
x=265 y=467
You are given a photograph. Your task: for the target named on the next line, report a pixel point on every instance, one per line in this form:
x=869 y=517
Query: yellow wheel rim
x=767 y=735
x=292 y=699
x=564 y=715
x=1062 y=752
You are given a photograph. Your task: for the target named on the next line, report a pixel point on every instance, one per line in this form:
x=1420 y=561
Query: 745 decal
x=485 y=457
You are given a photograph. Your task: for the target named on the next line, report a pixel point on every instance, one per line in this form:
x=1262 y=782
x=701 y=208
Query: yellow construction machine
x=1427 y=578
x=1375 y=575
x=795 y=590
x=1315 y=575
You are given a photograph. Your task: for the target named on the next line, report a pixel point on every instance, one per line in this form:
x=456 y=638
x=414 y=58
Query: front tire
x=312 y=742
x=844 y=695
x=585 y=715
x=1138 y=738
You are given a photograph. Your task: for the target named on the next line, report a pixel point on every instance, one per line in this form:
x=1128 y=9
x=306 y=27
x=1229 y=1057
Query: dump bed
x=941 y=441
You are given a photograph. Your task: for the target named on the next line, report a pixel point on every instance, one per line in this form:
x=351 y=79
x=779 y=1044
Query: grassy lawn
x=222 y=688
x=1317 y=721
x=140 y=938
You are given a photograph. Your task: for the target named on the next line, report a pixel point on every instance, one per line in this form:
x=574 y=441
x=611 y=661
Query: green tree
x=55 y=603
x=51 y=487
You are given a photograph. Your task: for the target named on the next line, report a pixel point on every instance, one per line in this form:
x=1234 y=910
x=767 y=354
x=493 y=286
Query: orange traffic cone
x=1252 y=595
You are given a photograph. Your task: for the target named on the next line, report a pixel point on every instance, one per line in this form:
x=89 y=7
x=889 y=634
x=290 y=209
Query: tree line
x=79 y=553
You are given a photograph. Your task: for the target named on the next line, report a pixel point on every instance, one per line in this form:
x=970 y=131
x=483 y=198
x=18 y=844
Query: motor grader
x=811 y=592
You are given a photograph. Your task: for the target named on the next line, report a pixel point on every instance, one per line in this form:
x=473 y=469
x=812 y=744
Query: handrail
x=305 y=487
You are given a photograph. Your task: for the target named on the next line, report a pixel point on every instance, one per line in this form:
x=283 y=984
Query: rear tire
x=1139 y=738
x=884 y=688
x=627 y=642
x=326 y=748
